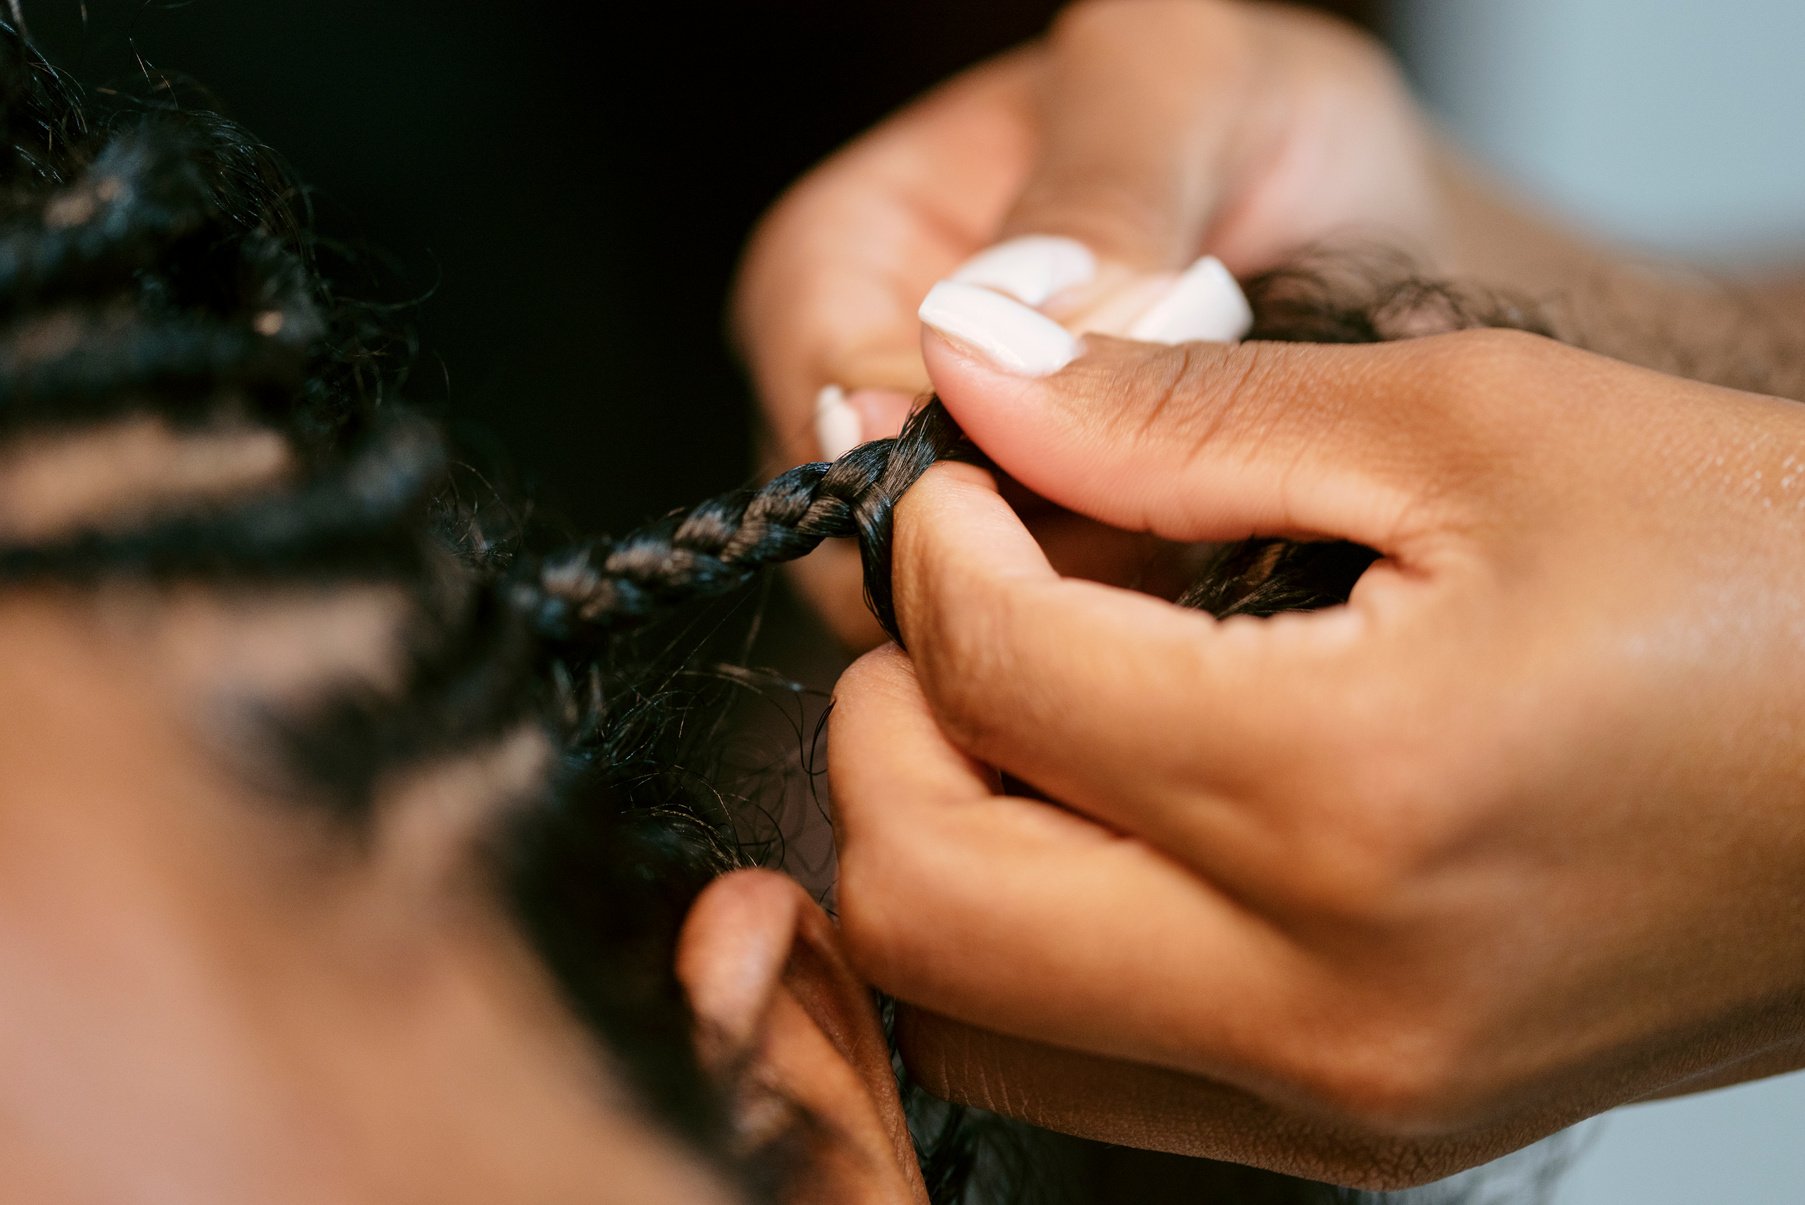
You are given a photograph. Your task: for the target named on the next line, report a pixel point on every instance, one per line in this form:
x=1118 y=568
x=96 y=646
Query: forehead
x=273 y=710
x=211 y=981
x=205 y=988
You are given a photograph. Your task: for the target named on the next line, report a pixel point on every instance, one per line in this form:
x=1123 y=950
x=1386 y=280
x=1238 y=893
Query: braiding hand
x=1097 y=165
x=1370 y=894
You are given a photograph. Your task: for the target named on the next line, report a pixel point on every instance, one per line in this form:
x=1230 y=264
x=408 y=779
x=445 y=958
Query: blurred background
x=564 y=188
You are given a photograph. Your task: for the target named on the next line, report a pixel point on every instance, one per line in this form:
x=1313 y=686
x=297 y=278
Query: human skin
x=215 y=992
x=1152 y=131
x=1371 y=894
x=209 y=996
x=1433 y=886
x=207 y=1000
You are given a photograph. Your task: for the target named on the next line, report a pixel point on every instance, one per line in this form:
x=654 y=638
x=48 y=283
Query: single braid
x=726 y=542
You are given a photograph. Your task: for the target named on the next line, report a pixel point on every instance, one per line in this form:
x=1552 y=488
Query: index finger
x=1015 y=916
x=831 y=279
x=1137 y=147
x=1158 y=720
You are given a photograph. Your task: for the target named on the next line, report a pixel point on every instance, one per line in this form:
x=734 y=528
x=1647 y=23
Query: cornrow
x=358 y=519
x=130 y=206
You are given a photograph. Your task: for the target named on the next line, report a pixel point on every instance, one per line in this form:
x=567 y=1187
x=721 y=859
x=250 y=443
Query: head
x=340 y=859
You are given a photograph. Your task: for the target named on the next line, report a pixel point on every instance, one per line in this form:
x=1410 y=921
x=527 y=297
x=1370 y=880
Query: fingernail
x=837 y=425
x=1206 y=303
x=1012 y=336
x=1031 y=269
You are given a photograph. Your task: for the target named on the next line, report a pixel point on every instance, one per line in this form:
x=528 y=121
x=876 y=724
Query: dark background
x=565 y=186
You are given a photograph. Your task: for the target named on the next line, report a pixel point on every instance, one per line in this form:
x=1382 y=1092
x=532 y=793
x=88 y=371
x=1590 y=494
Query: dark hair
x=155 y=264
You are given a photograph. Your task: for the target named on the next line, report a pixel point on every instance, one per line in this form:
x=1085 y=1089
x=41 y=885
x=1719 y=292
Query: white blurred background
x=1674 y=125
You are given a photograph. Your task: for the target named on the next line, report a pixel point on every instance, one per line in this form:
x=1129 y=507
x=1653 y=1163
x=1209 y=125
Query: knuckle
x=1377 y=844
x=958 y=620
x=1077 y=23
x=1081 y=25
x=871 y=899
x=1251 y=388
x=963 y=663
x=1376 y=824
x=1341 y=52
x=1199 y=391
x=1477 y=365
x=1211 y=407
x=1110 y=212
x=1396 y=1079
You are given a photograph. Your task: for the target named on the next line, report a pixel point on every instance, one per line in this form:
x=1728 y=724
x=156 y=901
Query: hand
x=1371 y=894
x=1147 y=130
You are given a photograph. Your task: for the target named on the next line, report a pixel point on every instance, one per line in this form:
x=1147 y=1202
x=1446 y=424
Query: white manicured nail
x=1204 y=303
x=1010 y=335
x=1031 y=269
x=837 y=426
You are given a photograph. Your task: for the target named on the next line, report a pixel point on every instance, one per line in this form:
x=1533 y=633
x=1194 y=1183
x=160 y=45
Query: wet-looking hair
x=156 y=272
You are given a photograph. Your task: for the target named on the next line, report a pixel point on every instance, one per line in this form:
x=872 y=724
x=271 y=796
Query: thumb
x=1197 y=442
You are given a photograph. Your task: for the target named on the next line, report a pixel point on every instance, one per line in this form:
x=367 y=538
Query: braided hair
x=156 y=268
x=723 y=544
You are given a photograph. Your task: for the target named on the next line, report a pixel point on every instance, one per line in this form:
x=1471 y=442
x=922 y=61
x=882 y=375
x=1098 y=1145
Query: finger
x=1153 y=1108
x=1014 y=918
x=827 y=291
x=1125 y=161
x=1205 y=442
x=1083 y=548
x=1129 y=173
x=1132 y=161
x=833 y=576
x=824 y=307
x=1017 y=916
x=1160 y=721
